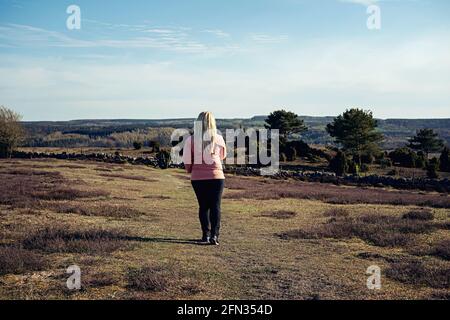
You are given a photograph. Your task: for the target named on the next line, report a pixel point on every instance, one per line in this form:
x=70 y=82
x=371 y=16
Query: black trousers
x=209 y=196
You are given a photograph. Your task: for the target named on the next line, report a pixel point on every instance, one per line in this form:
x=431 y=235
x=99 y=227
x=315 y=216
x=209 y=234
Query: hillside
x=396 y=131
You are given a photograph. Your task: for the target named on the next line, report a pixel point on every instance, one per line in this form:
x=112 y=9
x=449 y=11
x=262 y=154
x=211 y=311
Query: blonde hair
x=208 y=125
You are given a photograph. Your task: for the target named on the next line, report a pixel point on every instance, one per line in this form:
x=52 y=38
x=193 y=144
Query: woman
x=202 y=156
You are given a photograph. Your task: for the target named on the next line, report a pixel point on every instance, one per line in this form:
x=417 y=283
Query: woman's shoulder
x=220 y=140
x=188 y=139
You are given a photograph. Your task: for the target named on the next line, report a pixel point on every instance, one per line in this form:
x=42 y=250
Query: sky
x=153 y=59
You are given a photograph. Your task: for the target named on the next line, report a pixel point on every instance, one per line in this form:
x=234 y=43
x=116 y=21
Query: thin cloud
x=170 y=39
x=218 y=33
x=268 y=39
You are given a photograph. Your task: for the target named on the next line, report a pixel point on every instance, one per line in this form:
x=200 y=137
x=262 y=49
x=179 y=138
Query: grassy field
x=132 y=230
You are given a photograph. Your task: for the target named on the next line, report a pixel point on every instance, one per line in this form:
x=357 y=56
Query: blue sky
x=237 y=58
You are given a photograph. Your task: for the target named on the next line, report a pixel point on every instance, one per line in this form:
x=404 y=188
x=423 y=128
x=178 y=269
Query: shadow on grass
x=167 y=240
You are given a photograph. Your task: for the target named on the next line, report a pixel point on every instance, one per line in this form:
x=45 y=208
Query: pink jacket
x=205 y=171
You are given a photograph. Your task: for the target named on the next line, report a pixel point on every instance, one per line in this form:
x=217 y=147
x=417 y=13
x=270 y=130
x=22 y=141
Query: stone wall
x=442 y=185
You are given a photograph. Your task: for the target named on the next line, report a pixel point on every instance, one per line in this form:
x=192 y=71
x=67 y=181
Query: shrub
x=419 y=215
x=417 y=273
x=163 y=158
x=442 y=250
x=354 y=168
x=336 y=212
x=403 y=157
x=62 y=239
x=101 y=279
x=385 y=163
x=282 y=214
x=102 y=210
x=365 y=168
x=432 y=168
x=421 y=160
x=379 y=230
x=291 y=154
x=339 y=164
x=259 y=189
x=393 y=172
x=147 y=279
x=444 y=160
x=14 y=259
x=137 y=145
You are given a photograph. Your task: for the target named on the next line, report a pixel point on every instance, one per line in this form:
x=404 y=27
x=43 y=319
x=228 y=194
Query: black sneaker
x=214 y=240
x=205 y=239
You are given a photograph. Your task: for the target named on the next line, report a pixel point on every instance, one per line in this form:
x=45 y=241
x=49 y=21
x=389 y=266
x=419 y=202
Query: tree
x=11 y=131
x=356 y=131
x=286 y=122
x=444 y=160
x=426 y=140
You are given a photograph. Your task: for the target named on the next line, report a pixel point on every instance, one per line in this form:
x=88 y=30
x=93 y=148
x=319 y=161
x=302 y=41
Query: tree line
x=355 y=132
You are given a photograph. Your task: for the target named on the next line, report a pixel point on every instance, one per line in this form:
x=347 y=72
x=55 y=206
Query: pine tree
x=356 y=131
x=426 y=140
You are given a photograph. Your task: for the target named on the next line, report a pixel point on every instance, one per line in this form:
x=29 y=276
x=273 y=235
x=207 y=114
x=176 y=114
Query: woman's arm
x=187 y=155
x=223 y=149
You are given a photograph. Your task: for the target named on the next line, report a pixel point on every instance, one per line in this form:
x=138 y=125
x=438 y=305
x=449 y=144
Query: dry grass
x=162 y=261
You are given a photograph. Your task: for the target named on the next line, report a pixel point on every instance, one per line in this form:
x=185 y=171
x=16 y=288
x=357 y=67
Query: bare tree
x=11 y=131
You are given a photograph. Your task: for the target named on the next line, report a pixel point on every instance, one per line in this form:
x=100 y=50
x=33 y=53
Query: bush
x=404 y=157
x=365 y=167
x=61 y=239
x=354 y=168
x=137 y=145
x=339 y=164
x=147 y=278
x=367 y=158
x=421 y=160
x=419 y=215
x=291 y=154
x=393 y=172
x=444 y=160
x=163 y=158
x=14 y=259
x=385 y=163
x=432 y=168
